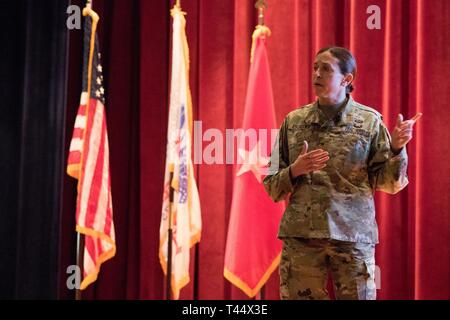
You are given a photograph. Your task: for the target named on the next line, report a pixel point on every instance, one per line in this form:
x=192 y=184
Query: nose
x=316 y=73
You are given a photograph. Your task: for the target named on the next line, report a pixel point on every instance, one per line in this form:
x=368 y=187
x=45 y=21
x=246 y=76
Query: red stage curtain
x=403 y=67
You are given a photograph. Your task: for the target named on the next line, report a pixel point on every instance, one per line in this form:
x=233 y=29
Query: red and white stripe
x=89 y=163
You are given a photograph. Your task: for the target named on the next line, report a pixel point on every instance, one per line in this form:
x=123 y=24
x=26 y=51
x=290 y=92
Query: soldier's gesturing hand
x=309 y=161
x=403 y=131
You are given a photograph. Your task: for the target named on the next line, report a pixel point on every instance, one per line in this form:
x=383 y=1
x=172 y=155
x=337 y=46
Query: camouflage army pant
x=305 y=264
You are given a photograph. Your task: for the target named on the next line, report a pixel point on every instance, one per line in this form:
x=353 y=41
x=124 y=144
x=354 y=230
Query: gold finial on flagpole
x=261 y=30
x=261 y=5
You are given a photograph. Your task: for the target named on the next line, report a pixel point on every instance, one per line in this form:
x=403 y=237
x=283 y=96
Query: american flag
x=88 y=162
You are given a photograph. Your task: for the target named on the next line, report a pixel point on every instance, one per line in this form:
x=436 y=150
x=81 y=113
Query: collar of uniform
x=346 y=113
x=316 y=116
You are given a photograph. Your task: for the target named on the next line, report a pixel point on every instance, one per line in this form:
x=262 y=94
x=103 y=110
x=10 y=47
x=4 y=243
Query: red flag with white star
x=253 y=250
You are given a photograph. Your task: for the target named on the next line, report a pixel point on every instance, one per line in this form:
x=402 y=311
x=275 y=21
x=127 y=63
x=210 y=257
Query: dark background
x=32 y=124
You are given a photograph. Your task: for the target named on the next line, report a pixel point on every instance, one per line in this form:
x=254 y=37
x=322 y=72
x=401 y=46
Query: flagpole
x=169 y=229
x=261 y=5
x=80 y=237
x=80 y=244
x=262 y=293
x=169 y=240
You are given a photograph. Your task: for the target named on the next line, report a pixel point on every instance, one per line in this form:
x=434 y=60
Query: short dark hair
x=347 y=62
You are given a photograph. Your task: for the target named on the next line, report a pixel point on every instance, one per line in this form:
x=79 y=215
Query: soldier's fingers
x=304 y=147
x=314 y=152
x=399 y=119
x=407 y=124
x=319 y=155
x=319 y=167
x=318 y=164
x=319 y=161
x=406 y=136
x=417 y=117
x=405 y=131
x=312 y=163
x=322 y=155
x=322 y=159
x=403 y=141
x=309 y=157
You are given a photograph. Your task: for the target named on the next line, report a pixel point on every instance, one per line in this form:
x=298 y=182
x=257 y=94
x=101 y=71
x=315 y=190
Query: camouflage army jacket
x=337 y=201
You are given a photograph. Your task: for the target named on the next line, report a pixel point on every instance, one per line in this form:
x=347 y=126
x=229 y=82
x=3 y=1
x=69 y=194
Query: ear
x=348 y=78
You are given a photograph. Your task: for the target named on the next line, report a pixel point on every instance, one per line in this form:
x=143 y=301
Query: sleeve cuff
x=402 y=155
x=285 y=180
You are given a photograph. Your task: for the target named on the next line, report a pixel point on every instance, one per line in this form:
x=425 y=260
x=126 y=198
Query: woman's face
x=328 y=81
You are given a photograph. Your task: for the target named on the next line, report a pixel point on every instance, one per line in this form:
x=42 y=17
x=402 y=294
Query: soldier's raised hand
x=307 y=162
x=403 y=132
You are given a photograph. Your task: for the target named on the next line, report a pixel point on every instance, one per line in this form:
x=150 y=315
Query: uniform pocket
x=365 y=279
x=371 y=288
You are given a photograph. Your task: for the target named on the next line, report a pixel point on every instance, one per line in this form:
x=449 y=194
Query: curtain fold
x=33 y=91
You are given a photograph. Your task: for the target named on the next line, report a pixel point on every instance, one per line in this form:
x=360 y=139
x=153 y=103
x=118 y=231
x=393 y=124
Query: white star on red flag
x=254 y=161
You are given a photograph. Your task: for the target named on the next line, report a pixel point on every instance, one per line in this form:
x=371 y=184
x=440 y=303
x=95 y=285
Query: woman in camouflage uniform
x=330 y=157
